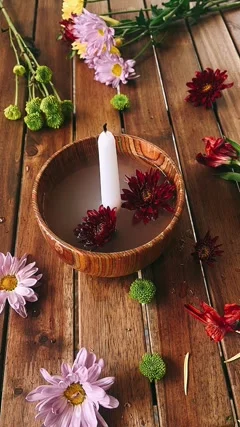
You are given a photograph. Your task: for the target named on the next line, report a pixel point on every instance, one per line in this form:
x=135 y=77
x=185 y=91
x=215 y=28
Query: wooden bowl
x=77 y=155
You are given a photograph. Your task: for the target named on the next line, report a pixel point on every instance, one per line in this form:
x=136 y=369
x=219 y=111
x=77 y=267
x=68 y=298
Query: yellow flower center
x=101 y=33
x=8 y=283
x=117 y=70
x=75 y=394
x=146 y=195
x=204 y=252
x=206 y=88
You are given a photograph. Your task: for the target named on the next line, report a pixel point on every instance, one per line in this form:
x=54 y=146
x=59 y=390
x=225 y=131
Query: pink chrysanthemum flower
x=16 y=280
x=89 y=28
x=112 y=69
x=73 y=398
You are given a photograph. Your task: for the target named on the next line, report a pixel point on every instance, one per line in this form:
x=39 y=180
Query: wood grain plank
x=45 y=338
x=222 y=207
x=11 y=135
x=232 y=20
x=109 y=322
x=177 y=277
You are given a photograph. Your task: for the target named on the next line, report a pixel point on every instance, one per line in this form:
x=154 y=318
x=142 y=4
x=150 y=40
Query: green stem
x=29 y=88
x=16 y=90
x=13 y=46
x=120 y=12
x=44 y=89
x=135 y=38
x=143 y=49
x=40 y=89
x=55 y=91
x=225 y=7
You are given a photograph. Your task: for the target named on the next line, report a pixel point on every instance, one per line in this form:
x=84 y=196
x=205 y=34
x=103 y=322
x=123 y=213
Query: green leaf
x=233 y=144
x=230 y=176
x=72 y=54
x=141 y=20
x=155 y=11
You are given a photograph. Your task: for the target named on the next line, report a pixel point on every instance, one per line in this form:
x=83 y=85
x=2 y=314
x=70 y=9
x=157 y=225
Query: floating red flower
x=97 y=227
x=206 y=87
x=216 y=326
x=218 y=152
x=146 y=196
x=206 y=250
x=67 y=30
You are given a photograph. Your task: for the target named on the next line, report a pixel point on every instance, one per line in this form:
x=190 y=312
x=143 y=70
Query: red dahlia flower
x=146 y=196
x=97 y=227
x=216 y=326
x=218 y=152
x=67 y=30
x=206 y=87
x=206 y=250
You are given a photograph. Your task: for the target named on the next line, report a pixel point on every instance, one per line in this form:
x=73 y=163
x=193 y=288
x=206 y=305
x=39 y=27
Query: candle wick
x=105 y=127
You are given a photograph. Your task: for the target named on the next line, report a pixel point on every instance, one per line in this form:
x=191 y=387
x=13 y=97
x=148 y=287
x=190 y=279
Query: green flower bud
x=19 y=70
x=120 y=102
x=12 y=112
x=50 y=105
x=43 y=74
x=34 y=121
x=67 y=108
x=142 y=290
x=33 y=106
x=152 y=366
x=55 y=121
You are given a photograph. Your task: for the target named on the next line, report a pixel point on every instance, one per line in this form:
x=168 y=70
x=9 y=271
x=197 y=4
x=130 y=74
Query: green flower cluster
x=44 y=106
x=142 y=291
x=120 y=102
x=152 y=366
x=48 y=111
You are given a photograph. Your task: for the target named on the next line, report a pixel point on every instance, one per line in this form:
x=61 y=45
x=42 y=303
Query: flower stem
x=120 y=12
x=13 y=46
x=55 y=91
x=16 y=90
x=143 y=49
x=135 y=38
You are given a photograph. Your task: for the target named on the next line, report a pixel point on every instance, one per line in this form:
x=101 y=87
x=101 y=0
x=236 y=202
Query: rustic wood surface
x=76 y=310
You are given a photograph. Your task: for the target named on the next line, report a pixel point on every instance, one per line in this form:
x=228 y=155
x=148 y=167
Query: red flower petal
x=146 y=196
x=206 y=87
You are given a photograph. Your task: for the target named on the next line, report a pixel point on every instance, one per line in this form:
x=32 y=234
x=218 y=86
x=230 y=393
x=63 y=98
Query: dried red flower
x=67 y=30
x=206 y=250
x=216 y=326
x=146 y=196
x=97 y=227
x=206 y=87
x=218 y=152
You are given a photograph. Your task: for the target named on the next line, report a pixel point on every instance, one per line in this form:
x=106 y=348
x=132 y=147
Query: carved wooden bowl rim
x=102 y=255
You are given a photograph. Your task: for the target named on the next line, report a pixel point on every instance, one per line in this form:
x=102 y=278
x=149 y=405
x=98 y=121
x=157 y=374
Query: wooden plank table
x=76 y=310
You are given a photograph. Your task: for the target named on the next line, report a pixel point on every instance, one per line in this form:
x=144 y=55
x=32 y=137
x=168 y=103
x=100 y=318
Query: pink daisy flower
x=112 y=69
x=16 y=280
x=73 y=398
x=89 y=28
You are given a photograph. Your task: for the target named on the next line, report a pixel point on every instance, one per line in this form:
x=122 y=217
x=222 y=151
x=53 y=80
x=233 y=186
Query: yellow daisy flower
x=80 y=47
x=71 y=6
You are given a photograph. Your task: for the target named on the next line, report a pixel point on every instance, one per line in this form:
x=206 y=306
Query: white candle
x=109 y=176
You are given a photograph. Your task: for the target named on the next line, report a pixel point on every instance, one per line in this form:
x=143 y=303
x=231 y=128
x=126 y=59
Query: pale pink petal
x=65 y=369
x=94 y=372
x=49 y=378
x=105 y=383
x=102 y=421
x=2 y=305
x=109 y=402
x=93 y=392
x=28 y=282
x=80 y=359
x=89 y=413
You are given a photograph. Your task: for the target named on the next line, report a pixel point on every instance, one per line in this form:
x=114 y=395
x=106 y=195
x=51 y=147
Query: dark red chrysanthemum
x=206 y=250
x=97 y=227
x=206 y=87
x=146 y=196
x=218 y=152
x=67 y=30
x=216 y=326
